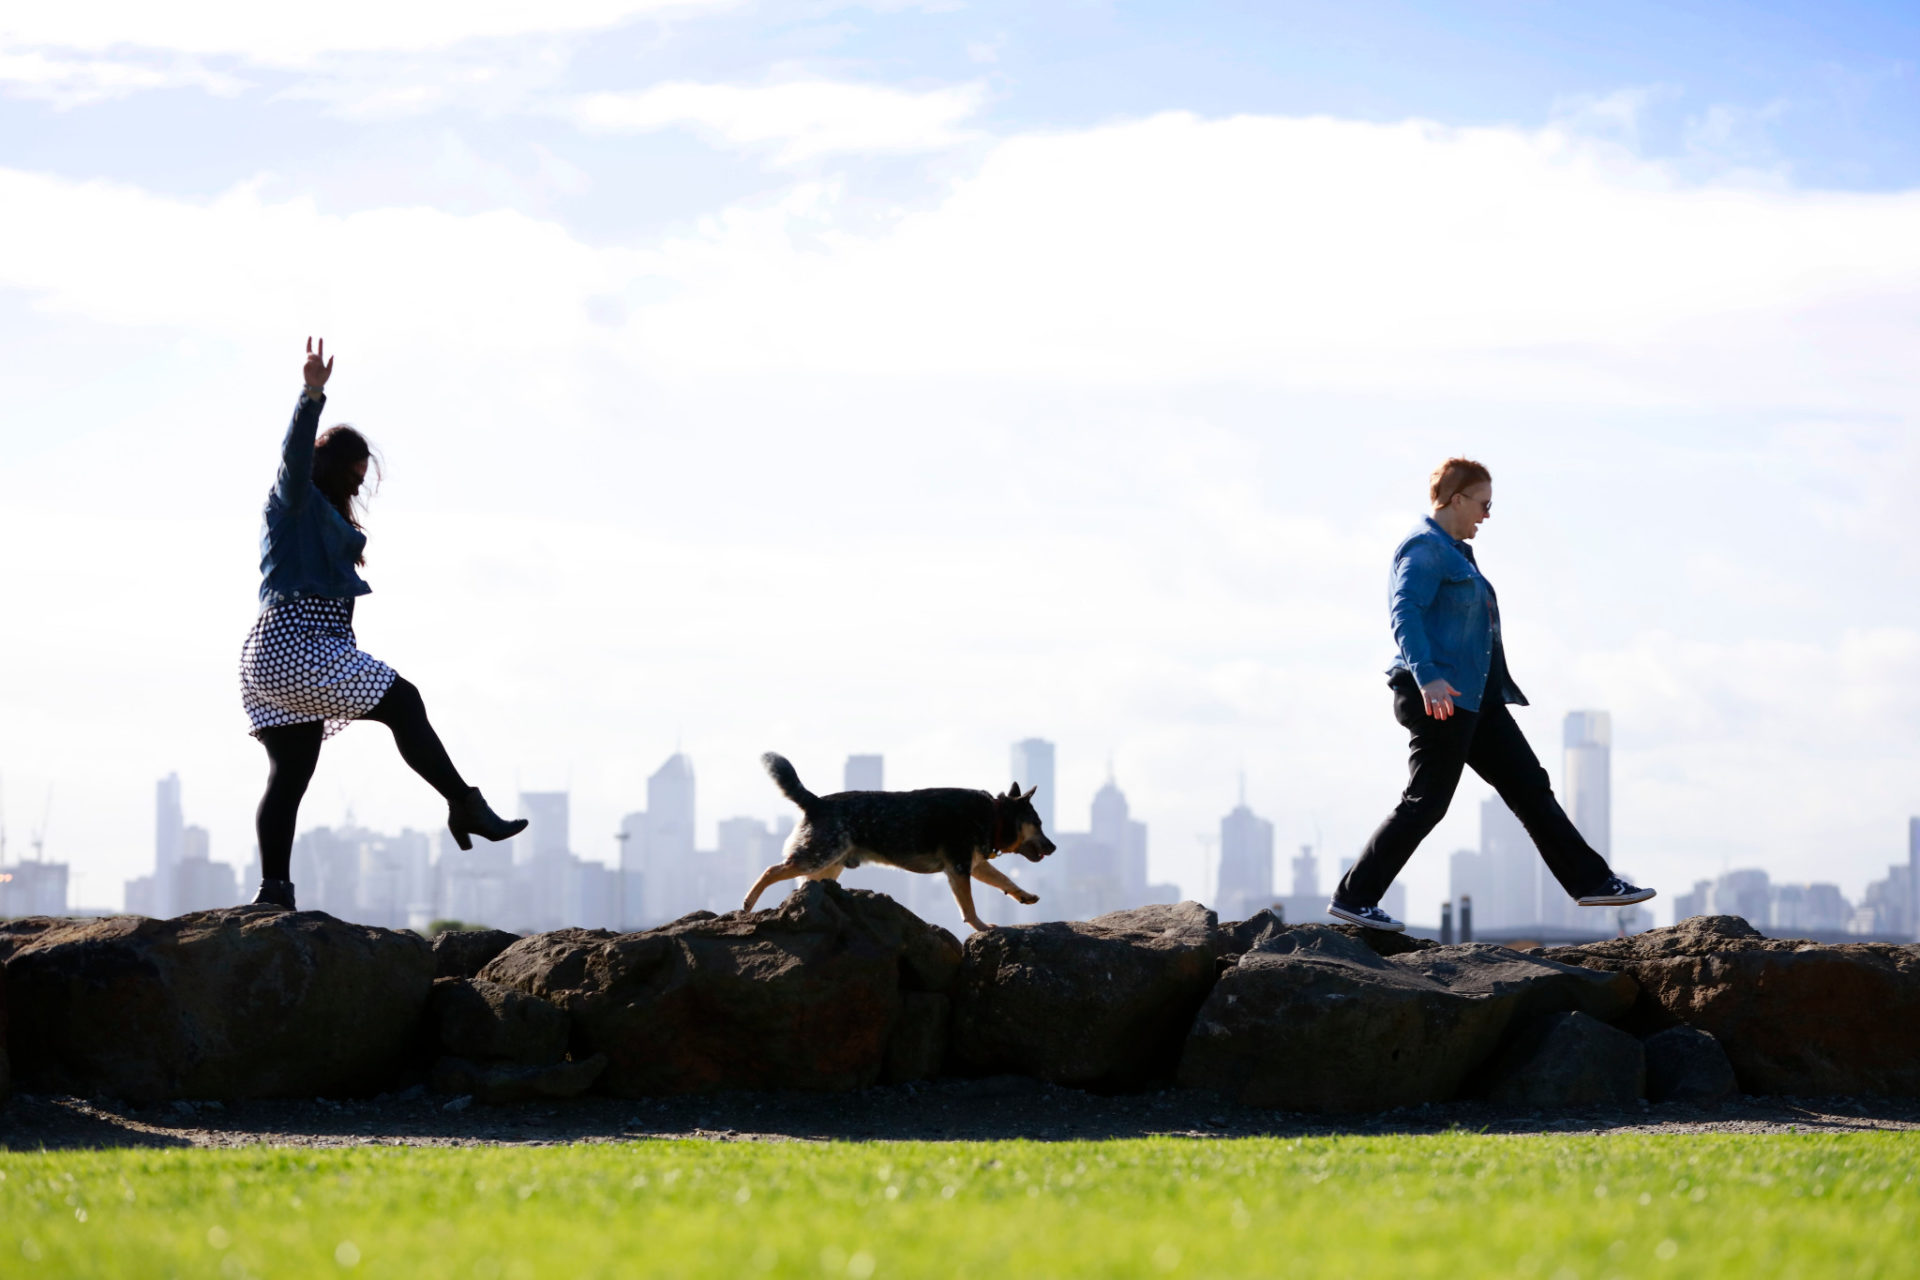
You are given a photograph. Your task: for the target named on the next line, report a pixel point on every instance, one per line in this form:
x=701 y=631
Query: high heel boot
x=471 y=816
x=275 y=893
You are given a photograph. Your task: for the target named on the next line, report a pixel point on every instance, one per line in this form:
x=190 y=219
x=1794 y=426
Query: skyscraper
x=1114 y=828
x=1589 y=777
x=548 y=817
x=169 y=830
x=1033 y=767
x=865 y=773
x=1913 y=873
x=1246 y=864
x=674 y=883
x=1507 y=878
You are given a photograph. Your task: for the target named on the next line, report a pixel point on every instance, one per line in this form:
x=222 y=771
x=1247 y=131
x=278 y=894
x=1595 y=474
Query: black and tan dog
x=945 y=829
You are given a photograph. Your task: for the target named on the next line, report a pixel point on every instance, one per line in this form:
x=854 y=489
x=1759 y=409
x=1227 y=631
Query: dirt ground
x=946 y=1110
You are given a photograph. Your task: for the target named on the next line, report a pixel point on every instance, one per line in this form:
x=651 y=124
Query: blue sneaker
x=1365 y=917
x=1615 y=893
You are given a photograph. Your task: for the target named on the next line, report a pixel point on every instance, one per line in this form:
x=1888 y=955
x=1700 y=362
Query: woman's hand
x=319 y=367
x=1439 y=696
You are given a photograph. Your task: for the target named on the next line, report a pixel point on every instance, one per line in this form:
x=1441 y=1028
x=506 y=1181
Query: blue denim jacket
x=306 y=547
x=1446 y=618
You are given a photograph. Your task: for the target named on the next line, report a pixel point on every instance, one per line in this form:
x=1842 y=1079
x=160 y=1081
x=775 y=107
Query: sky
x=915 y=378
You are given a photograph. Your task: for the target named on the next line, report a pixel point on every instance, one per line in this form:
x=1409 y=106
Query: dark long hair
x=335 y=454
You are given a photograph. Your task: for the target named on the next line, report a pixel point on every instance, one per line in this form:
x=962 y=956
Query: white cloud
x=294 y=34
x=803 y=119
x=1106 y=443
x=72 y=82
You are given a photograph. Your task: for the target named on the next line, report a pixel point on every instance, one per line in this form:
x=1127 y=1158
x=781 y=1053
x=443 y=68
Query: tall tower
x=1246 y=864
x=866 y=773
x=1913 y=873
x=1306 y=873
x=673 y=881
x=1114 y=827
x=548 y=818
x=169 y=837
x=1589 y=777
x=1033 y=767
x=1510 y=876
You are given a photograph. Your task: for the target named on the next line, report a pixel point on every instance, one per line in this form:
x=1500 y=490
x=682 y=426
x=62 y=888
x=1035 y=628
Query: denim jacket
x=1446 y=618
x=306 y=547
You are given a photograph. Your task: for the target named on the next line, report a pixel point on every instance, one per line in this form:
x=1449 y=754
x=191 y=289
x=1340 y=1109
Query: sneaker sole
x=1341 y=914
x=1622 y=900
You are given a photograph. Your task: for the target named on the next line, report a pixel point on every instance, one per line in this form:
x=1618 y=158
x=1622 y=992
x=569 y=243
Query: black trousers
x=293 y=752
x=1491 y=744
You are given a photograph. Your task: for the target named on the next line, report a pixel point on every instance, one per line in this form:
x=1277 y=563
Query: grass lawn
x=1453 y=1205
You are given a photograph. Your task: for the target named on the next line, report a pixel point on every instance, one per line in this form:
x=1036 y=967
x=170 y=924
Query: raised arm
x=295 y=480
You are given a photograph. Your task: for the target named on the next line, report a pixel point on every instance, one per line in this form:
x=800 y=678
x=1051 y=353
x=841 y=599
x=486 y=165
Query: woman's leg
x=292 y=752
x=1438 y=752
x=402 y=710
x=1502 y=755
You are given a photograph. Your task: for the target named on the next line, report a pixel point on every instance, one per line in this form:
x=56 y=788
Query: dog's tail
x=788 y=781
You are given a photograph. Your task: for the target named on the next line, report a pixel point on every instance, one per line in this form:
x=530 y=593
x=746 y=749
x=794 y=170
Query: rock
x=1686 y=1064
x=1103 y=1003
x=917 y=1050
x=808 y=995
x=1312 y=1018
x=1569 y=1060
x=1245 y=935
x=244 y=1002
x=1539 y=985
x=498 y=1083
x=462 y=953
x=1793 y=1017
x=487 y=1022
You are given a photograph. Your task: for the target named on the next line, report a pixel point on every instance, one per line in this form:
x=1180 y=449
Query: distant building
x=675 y=884
x=1033 y=767
x=199 y=883
x=168 y=833
x=33 y=888
x=865 y=773
x=1244 y=885
x=1114 y=828
x=1913 y=875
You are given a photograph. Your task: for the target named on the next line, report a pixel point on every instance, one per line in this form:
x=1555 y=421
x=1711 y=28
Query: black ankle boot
x=275 y=893
x=471 y=816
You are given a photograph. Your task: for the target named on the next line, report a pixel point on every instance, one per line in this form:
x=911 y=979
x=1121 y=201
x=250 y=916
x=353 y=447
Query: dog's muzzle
x=1035 y=849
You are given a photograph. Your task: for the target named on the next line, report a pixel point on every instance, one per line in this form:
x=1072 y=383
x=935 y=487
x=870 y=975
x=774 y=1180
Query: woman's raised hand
x=1439 y=696
x=319 y=365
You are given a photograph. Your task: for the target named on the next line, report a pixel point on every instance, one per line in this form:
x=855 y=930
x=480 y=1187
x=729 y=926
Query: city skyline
x=540 y=881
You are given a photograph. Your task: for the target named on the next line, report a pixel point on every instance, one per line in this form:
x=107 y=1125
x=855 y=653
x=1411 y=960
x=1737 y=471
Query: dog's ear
x=1013 y=792
x=1030 y=791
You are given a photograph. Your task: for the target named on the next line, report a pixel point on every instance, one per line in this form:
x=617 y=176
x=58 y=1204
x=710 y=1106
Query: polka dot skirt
x=300 y=664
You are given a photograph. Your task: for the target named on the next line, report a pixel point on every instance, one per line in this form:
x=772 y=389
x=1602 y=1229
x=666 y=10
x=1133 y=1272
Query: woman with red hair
x=1451 y=688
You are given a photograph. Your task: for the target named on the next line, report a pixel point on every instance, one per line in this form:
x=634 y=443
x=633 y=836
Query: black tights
x=293 y=750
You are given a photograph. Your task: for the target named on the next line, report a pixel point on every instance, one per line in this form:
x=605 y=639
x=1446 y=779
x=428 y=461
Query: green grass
x=1452 y=1205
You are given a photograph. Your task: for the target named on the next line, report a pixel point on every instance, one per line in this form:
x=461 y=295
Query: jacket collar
x=1428 y=526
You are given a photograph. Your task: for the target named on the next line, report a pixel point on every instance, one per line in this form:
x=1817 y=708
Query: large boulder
x=1793 y=1017
x=461 y=953
x=486 y=1022
x=1686 y=1064
x=1314 y=1019
x=244 y=1002
x=1103 y=1003
x=6 y=1074
x=808 y=995
x=1569 y=1060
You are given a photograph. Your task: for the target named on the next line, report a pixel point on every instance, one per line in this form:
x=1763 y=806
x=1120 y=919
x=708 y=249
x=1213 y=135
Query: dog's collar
x=995 y=838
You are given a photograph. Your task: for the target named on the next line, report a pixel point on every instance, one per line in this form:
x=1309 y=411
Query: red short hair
x=1453 y=475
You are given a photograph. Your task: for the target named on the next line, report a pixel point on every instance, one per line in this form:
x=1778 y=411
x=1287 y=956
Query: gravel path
x=946 y=1110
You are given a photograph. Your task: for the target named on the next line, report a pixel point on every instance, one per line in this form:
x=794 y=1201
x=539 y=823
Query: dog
x=941 y=829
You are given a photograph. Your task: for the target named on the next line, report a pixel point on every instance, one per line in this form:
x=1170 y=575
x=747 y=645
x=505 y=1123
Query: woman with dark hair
x=302 y=676
x=1451 y=688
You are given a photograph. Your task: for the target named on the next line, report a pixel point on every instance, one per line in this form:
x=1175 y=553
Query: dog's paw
x=1026 y=899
